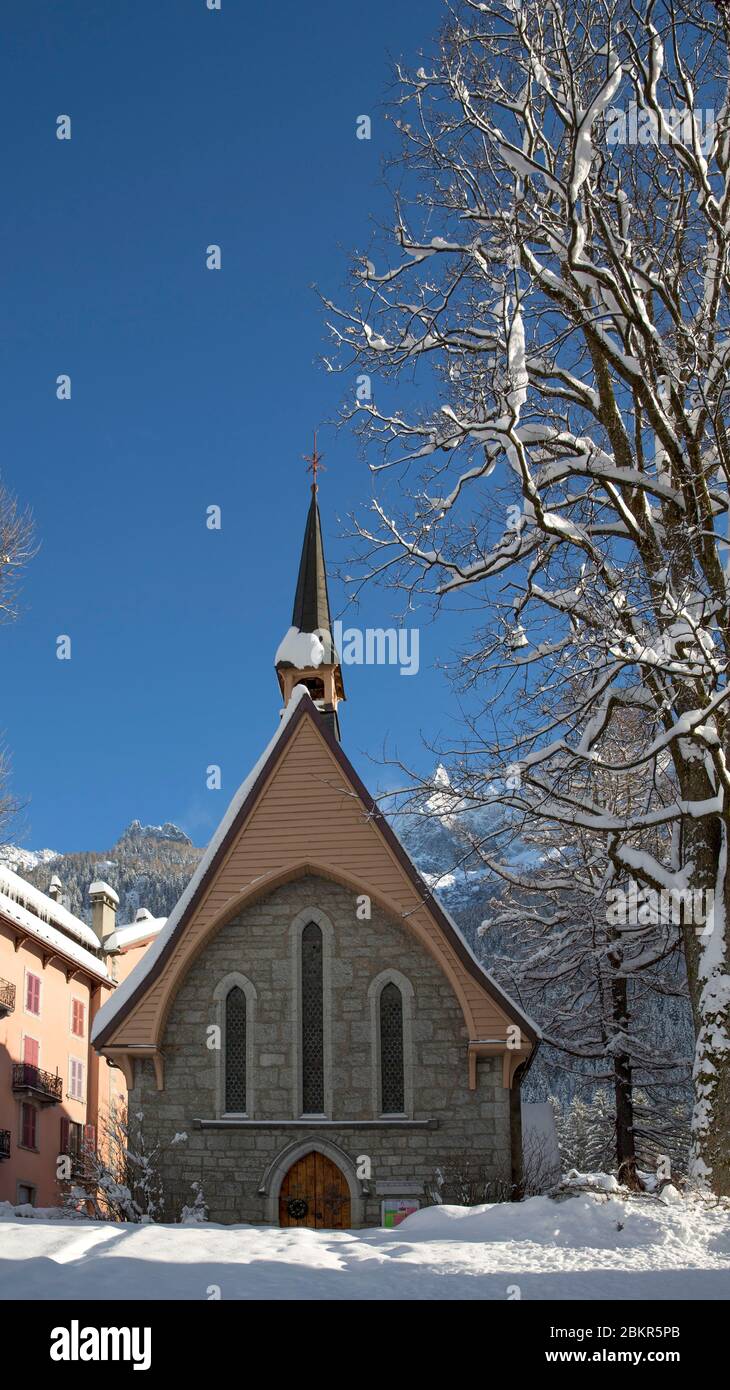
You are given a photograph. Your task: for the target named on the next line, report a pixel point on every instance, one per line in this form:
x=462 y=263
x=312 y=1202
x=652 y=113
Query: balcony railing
x=4 y=1143
x=7 y=997
x=37 y=1084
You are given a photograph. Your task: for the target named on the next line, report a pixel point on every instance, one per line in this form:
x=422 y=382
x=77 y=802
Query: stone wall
x=232 y=1164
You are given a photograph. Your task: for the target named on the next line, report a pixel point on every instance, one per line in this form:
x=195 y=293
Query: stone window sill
x=391 y=1122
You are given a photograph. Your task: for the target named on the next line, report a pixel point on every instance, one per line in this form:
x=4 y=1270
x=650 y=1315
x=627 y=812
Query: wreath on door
x=297 y=1208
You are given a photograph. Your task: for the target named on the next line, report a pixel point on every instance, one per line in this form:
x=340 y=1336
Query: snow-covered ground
x=591 y=1246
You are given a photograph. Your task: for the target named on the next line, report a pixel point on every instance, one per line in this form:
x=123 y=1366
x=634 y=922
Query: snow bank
x=595 y=1245
x=583 y=1222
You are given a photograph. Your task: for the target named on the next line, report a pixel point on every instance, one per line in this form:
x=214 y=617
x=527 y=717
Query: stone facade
x=241 y=1166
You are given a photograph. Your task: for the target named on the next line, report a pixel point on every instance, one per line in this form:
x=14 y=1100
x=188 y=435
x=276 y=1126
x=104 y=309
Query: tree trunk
x=623 y=1080
x=708 y=973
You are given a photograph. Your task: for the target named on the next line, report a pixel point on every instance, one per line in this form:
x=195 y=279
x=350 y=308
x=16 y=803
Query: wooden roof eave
x=50 y=953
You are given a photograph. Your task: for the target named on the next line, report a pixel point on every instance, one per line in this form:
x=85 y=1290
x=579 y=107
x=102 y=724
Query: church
x=310 y=1017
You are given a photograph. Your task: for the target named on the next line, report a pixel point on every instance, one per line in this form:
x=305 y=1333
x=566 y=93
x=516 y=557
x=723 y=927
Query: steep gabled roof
x=301 y=710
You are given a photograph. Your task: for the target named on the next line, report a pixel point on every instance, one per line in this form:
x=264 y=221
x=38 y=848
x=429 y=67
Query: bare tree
x=119 y=1178
x=597 y=986
x=16 y=549
x=558 y=294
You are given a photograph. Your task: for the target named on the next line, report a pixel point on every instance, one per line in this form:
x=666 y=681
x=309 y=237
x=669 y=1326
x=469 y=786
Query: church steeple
x=307 y=654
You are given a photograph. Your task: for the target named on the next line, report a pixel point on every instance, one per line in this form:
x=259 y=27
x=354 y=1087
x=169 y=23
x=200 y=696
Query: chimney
x=55 y=889
x=104 y=904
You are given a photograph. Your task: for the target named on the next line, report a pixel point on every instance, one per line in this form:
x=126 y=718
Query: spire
x=311 y=601
x=307 y=654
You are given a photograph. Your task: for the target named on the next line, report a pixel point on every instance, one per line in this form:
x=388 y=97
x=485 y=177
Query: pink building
x=55 y=973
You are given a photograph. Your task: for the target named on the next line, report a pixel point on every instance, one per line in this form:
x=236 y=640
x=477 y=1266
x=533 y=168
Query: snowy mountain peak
x=20 y=860
x=168 y=831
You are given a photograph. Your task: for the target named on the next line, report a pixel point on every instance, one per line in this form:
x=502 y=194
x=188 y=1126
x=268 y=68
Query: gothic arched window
x=235 y=1044
x=392 y=1082
x=312 y=1021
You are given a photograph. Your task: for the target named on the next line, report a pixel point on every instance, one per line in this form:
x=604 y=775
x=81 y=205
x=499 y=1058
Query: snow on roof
x=40 y=906
x=99 y=886
x=126 y=989
x=43 y=931
x=133 y=933
x=302 y=649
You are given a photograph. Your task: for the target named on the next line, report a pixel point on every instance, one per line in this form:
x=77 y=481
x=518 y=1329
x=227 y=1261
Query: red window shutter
x=31 y=1051
x=33 y=994
x=77 y=1024
x=64 y=1134
x=29 y=1119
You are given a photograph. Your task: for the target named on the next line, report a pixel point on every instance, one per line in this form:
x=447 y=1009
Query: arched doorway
x=315 y=1193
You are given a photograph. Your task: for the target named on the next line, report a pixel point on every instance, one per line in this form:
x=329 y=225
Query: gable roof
x=301 y=709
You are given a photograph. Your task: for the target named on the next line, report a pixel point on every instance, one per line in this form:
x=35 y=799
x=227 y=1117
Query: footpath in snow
x=593 y=1245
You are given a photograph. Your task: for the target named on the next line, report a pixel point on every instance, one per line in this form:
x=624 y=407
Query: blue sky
x=189 y=388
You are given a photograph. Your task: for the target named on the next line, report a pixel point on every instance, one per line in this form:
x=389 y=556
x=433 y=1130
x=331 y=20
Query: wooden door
x=315 y=1193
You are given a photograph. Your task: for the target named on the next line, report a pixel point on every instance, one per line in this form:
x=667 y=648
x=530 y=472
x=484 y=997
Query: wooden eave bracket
x=123 y=1057
x=512 y=1058
x=71 y=969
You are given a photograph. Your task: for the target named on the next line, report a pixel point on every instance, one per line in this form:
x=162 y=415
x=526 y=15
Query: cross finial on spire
x=314 y=461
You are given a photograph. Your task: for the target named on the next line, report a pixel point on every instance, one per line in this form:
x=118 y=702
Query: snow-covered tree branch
x=557 y=293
